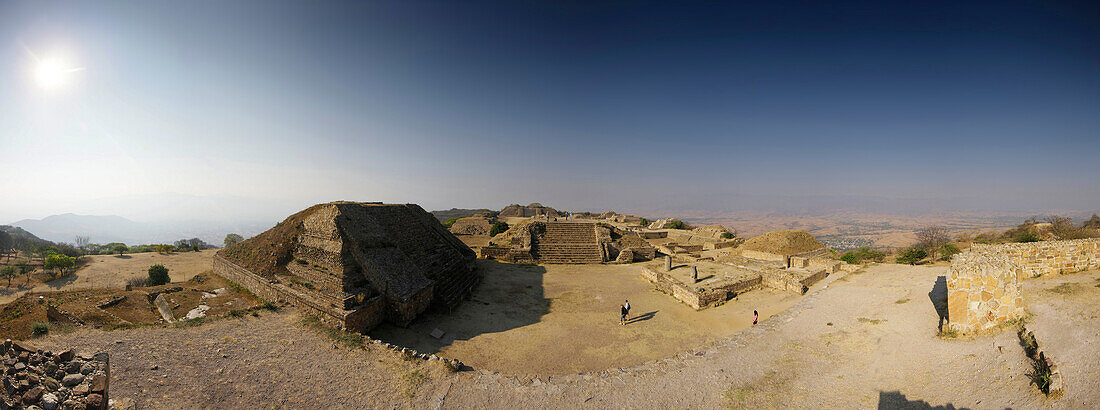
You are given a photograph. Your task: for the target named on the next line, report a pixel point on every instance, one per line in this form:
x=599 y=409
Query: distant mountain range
x=112 y=228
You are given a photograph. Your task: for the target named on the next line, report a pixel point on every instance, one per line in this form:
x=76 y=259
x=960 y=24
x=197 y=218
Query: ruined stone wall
x=363 y=318
x=983 y=284
x=1042 y=258
x=983 y=290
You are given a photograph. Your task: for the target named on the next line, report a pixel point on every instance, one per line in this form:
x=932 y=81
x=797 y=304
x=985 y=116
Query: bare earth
x=880 y=351
x=523 y=319
x=112 y=271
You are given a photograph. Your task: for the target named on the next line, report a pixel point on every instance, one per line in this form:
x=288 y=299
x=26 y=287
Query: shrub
x=676 y=224
x=450 y=222
x=850 y=257
x=498 y=228
x=948 y=250
x=137 y=282
x=1024 y=237
x=727 y=235
x=912 y=255
x=158 y=275
x=40 y=328
x=644 y=222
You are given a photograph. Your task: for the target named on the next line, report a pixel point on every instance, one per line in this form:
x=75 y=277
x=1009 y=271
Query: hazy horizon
x=249 y=111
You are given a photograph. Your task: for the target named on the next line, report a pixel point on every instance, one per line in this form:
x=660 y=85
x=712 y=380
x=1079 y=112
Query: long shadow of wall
x=896 y=400
x=938 y=296
x=509 y=296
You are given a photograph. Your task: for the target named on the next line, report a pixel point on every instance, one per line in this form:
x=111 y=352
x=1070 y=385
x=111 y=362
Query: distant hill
x=23 y=240
x=112 y=228
x=443 y=216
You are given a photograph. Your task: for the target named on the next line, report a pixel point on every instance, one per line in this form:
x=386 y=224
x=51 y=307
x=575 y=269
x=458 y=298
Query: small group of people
x=624 y=314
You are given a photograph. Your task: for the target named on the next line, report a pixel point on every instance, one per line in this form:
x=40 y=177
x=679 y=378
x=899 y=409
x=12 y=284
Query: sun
x=52 y=73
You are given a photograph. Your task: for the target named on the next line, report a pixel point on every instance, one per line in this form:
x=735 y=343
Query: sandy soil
x=860 y=341
x=523 y=319
x=1066 y=323
x=103 y=271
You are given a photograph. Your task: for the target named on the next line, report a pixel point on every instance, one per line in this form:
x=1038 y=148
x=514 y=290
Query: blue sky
x=234 y=110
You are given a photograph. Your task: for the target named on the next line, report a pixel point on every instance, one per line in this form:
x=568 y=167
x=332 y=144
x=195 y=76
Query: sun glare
x=52 y=73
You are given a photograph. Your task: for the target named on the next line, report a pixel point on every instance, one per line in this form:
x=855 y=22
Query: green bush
x=850 y=257
x=450 y=222
x=912 y=255
x=948 y=250
x=676 y=224
x=1025 y=236
x=498 y=228
x=158 y=275
x=727 y=235
x=40 y=328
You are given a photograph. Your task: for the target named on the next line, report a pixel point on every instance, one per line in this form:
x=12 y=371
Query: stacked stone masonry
x=356 y=264
x=983 y=284
x=1043 y=258
x=37 y=379
x=983 y=290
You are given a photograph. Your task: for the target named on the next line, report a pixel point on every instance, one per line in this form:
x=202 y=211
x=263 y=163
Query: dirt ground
x=523 y=319
x=857 y=341
x=112 y=271
x=1066 y=322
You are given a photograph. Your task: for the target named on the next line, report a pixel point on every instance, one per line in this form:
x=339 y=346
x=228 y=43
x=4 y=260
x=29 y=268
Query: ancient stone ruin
x=532 y=210
x=473 y=225
x=355 y=264
x=34 y=378
x=983 y=285
x=568 y=242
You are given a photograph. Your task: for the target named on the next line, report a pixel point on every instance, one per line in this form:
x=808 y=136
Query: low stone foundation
x=696 y=297
x=797 y=280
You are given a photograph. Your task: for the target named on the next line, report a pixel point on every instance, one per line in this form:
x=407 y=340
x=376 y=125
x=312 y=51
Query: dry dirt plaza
x=548 y=336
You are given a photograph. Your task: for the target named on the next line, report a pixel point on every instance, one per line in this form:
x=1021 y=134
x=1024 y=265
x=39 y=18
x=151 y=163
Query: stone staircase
x=569 y=242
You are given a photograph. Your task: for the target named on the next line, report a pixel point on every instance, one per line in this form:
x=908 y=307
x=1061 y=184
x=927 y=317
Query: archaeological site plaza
x=522 y=306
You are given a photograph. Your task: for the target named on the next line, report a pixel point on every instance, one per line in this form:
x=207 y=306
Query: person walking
x=622 y=315
x=755 y=315
x=626 y=304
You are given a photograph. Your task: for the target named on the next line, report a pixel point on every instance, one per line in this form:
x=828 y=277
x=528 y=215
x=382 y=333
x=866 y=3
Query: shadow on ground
x=938 y=296
x=896 y=400
x=509 y=296
x=642 y=317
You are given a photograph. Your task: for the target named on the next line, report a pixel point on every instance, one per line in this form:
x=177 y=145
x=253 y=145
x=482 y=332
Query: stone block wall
x=1042 y=258
x=361 y=318
x=983 y=290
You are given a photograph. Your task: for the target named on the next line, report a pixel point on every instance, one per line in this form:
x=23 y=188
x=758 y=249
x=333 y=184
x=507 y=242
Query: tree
x=82 y=242
x=498 y=228
x=1092 y=223
x=59 y=262
x=6 y=244
x=948 y=250
x=119 y=249
x=450 y=222
x=8 y=272
x=1063 y=228
x=676 y=224
x=931 y=238
x=912 y=255
x=158 y=275
x=232 y=239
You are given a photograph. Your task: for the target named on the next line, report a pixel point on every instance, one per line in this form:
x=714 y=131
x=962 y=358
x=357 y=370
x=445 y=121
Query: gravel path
x=879 y=351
